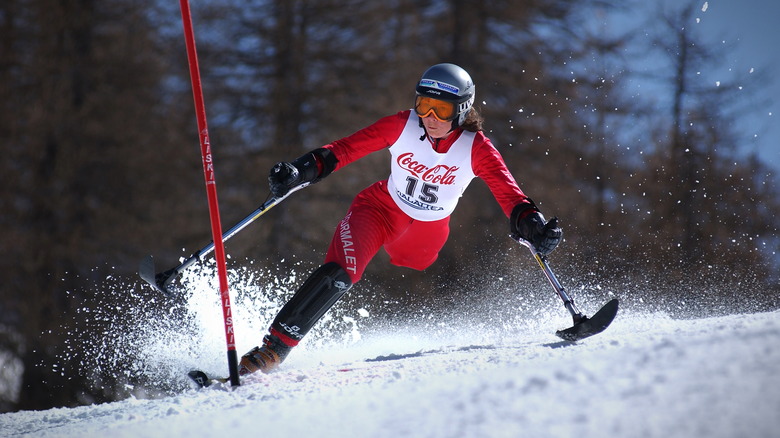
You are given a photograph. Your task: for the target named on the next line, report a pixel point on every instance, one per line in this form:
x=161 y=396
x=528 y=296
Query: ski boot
x=265 y=358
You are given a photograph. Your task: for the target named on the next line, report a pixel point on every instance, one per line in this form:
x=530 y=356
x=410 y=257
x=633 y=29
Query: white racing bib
x=426 y=184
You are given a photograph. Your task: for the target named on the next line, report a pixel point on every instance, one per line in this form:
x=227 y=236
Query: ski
x=587 y=327
x=584 y=328
x=203 y=380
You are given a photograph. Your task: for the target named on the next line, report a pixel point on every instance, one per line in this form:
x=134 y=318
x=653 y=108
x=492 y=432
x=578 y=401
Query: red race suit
x=408 y=213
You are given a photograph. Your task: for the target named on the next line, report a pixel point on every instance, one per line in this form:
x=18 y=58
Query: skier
x=436 y=150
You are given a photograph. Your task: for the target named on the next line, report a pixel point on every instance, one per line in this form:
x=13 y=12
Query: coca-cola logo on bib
x=439 y=174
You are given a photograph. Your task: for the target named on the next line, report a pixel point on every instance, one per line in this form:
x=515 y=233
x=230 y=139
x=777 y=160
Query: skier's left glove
x=527 y=222
x=309 y=168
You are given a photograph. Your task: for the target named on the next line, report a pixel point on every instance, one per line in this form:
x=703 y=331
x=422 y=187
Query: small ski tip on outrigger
x=583 y=326
x=160 y=282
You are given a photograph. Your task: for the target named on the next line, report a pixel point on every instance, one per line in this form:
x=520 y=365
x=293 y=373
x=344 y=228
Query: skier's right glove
x=309 y=168
x=528 y=223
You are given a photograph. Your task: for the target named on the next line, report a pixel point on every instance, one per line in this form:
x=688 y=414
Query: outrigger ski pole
x=162 y=281
x=583 y=326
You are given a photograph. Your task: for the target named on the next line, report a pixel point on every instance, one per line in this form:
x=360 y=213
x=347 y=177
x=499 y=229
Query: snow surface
x=648 y=375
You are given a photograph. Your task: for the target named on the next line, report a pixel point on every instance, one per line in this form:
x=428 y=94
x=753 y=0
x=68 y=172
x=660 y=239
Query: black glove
x=283 y=177
x=309 y=168
x=543 y=235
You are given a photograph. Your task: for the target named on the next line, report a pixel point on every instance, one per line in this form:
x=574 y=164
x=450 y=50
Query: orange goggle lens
x=443 y=111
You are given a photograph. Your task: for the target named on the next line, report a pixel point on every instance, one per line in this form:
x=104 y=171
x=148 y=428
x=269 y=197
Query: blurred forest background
x=101 y=162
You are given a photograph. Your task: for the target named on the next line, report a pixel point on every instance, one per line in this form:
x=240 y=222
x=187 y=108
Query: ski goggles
x=443 y=111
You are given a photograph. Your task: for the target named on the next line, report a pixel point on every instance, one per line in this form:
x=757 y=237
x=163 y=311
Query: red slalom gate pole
x=211 y=190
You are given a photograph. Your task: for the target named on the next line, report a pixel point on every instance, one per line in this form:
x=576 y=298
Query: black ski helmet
x=450 y=83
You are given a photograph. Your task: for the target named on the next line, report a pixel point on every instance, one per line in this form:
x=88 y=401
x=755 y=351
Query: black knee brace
x=317 y=294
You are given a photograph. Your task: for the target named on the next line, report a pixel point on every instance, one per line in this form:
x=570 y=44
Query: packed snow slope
x=647 y=376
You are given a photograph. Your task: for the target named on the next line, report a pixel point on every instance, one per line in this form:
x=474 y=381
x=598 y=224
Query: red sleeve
x=381 y=134
x=488 y=164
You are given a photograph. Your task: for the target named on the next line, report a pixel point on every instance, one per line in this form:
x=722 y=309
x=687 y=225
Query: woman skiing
x=436 y=150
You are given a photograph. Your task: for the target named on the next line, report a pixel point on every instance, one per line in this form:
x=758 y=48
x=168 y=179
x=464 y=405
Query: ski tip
x=146 y=268
x=147 y=273
x=200 y=378
x=203 y=380
x=593 y=325
x=158 y=282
